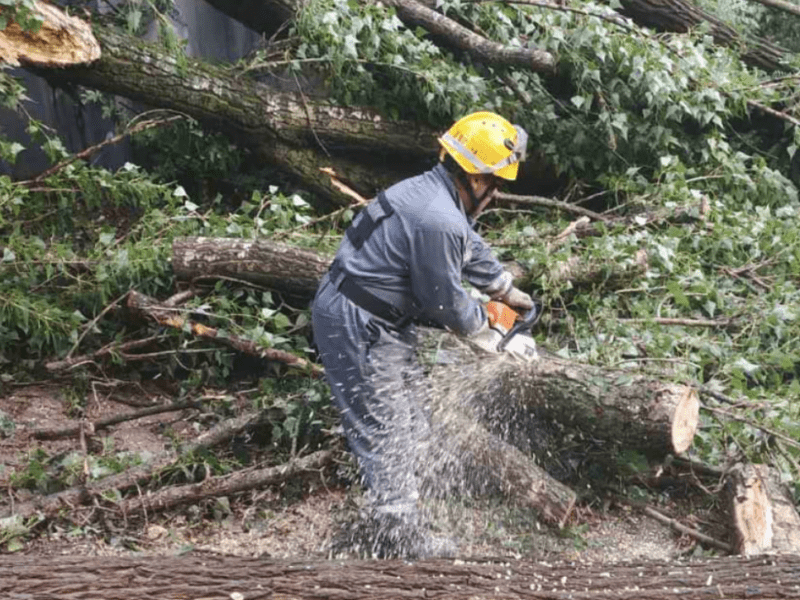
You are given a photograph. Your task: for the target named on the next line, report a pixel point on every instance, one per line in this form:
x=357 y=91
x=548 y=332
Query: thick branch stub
x=62 y=40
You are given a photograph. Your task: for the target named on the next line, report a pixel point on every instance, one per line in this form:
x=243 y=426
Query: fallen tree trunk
x=290 y=130
x=465 y=457
x=295 y=271
x=620 y=407
x=763 y=515
x=213 y=577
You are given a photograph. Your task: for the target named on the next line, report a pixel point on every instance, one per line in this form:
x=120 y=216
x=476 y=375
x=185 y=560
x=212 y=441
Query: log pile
x=212 y=577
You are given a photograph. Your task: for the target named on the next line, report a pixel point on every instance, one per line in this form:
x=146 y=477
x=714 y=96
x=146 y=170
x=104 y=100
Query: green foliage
x=21 y=12
x=188 y=154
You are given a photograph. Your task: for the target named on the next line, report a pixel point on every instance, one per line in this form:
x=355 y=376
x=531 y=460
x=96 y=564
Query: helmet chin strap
x=476 y=205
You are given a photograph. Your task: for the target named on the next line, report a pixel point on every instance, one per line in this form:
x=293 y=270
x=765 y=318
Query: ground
x=291 y=521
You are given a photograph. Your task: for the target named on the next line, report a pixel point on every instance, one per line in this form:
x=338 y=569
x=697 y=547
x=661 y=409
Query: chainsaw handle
x=526 y=323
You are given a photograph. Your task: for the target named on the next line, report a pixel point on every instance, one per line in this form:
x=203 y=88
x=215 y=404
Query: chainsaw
x=509 y=332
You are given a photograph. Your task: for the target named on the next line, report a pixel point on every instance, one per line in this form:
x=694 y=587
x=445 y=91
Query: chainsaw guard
x=521 y=345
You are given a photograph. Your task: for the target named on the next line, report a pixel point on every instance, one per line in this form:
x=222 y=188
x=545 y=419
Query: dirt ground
x=295 y=520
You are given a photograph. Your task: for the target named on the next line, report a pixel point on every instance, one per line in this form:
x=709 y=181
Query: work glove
x=500 y=316
x=516 y=298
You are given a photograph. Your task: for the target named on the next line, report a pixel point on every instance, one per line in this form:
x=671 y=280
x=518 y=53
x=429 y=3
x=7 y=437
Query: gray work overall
x=403 y=258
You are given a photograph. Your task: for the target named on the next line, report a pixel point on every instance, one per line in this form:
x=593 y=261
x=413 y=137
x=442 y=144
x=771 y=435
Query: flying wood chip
x=62 y=40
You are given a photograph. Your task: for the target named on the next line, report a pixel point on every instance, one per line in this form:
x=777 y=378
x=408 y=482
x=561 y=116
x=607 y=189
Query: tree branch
x=412 y=12
x=550 y=203
x=780 y=5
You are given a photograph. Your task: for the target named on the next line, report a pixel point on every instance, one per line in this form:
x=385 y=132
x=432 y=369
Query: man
x=403 y=259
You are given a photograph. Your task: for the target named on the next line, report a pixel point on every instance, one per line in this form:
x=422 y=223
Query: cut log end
x=61 y=40
x=685 y=421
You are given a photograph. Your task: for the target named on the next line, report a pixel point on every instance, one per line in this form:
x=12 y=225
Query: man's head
x=487 y=149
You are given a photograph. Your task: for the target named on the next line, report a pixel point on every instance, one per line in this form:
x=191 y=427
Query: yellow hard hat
x=486 y=143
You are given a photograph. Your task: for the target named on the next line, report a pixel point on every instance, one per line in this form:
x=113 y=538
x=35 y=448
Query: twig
x=86 y=153
x=221 y=486
x=700 y=468
x=56 y=434
x=568 y=231
x=91 y=324
x=673 y=523
x=730 y=415
x=550 y=203
x=308 y=115
x=52 y=504
x=684 y=322
x=179 y=298
x=151 y=308
x=716 y=395
x=614 y=19
x=61 y=365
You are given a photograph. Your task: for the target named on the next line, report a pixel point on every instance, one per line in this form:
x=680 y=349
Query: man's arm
x=436 y=260
x=486 y=273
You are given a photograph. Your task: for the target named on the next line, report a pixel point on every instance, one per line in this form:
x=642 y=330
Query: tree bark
x=290 y=270
x=297 y=271
x=298 y=133
x=788 y=7
x=61 y=40
x=763 y=515
x=620 y=407
x=213 y=577
x=680 y=16
x=414 y=13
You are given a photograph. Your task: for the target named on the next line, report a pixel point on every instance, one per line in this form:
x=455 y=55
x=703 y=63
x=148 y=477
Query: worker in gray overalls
x=402 y=260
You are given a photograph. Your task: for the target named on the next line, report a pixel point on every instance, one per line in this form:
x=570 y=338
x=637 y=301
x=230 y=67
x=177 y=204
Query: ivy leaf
x=677 y=293
x=8 y=255
x=133 y=20
x=350 y=43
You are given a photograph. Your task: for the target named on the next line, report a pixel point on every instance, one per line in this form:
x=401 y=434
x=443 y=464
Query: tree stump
x=764 y=518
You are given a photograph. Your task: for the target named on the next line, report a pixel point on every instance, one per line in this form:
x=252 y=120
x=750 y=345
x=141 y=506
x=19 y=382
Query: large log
x=295 y=131
x=763 y=515
x=295 y=271
x=214 y=577
x=623 y=409
x=626 y=408
x=466 y=457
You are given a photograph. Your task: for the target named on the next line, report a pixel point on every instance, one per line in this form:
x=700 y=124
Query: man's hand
x=517 y=298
